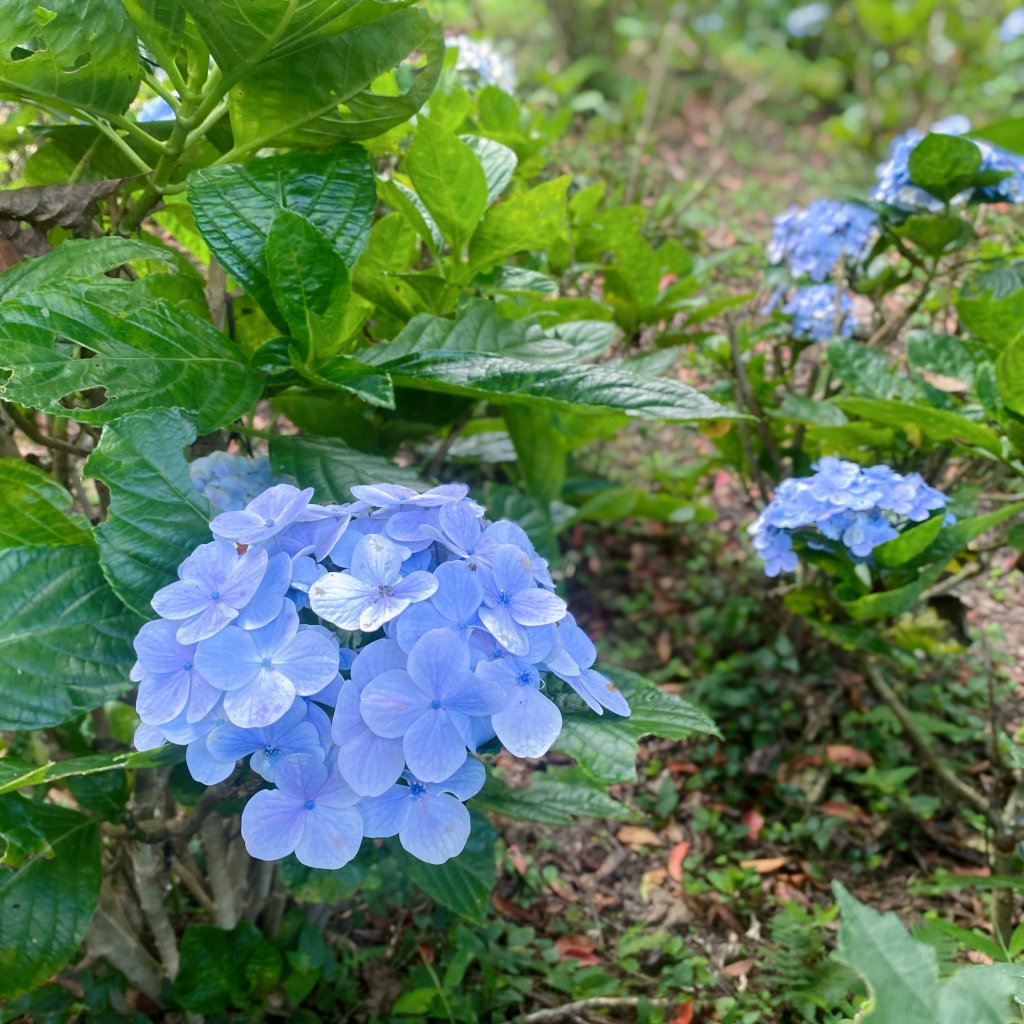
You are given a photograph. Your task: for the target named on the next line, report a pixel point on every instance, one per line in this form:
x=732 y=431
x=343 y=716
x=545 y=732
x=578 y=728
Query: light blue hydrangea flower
x=1012 y=27
x=156 y=109
x=807 y=20
x=429 y=818
x=481 y=63
x=856 y=507
x=459 y=638
x=229 y=482
x=312 y=813
x=812 y=241
x=813 y=310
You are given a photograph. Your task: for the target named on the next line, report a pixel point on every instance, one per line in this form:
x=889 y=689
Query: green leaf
x=1010 y=376
x=320 y=885
x=33 y=510
x=908 y=544
x=79 y=53
x=944 y=164
x=892 y=603
x=161 y=24
x=156 y=516
x=222 y=968
x=933 y=424
x=47 y=902
x=350 y=86
x=15 y=775
x=1008 y=133
x=145 y=356
x=330 y=466
x=478 y=328
x=605 y=747
x=901 y=973
x=462 y=884
x=868 y=373
x=550 y=801
x=527 y=221
x=936 y=234
x=449 y=179
x=542 y=443
x=991 y=303
x=77 y=259
x=309 y=282
x=65 y=638
x=498 y=161
x=507 y=381
x=235 y=206
x=349 y=374
x=951 y=540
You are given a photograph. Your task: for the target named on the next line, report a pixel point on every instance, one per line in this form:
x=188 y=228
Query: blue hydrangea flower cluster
x=1012 y=27
x=808 y=20
x=813 y=310
x=456 y=633
x=229 y=482
x=857 y=507
x=812 y=241
x=894 y=186
x=480 y=62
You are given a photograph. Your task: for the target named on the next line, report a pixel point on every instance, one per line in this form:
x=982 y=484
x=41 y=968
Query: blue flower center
x=271 y=753
x=435 y=704
x=309 y=805
x=215 y=596
x=386 y=590
x=268 y=522
x=187 y=667
x=416 y=790
x=504 y=598
x=524 y=679
x=266 y=663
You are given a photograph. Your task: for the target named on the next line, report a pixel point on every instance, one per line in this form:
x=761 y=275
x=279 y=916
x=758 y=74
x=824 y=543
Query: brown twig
x=568 y=1011
x=31 y=430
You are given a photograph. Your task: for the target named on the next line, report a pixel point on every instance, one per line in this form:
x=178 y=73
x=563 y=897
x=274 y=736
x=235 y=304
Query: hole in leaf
x=27 y=49
x=80 y=62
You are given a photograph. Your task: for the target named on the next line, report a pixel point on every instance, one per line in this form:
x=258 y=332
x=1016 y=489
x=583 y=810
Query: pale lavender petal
x=408 y=526
x=464 y=783
x=437 y=657
x=370 y=763
x=340 y=598
x=536 y=607
x=181 y=600
x=262 y=702
x=336 y=793
x=376 y=560
x=383 y=495
x=511 y=570
x=203 y=766
x=392 y=702
x=272 y=825
x=386 y=815
x=301 y=776
x=158 y=650
x=434 y=748
x=202 y=698
x=459 y=591
x=309 y=660
x=504 y=628
x=592 y=686
x=382 y=608
x=471 y=695
x=228 y=660
x=375 y=659
x=417 y=586
x=244 y=579
x=528 y=724
x=330 y=837
x=162 y=697
x=230 y=743
x=417 y=620
x=207 y=623
x=461 y=524
x=436 y=828
x=266 y=603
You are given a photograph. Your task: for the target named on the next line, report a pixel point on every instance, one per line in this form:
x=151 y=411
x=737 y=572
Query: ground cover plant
x=449 y=576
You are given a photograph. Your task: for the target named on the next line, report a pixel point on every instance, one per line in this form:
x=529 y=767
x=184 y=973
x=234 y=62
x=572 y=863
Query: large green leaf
x=902 y=974
x=479 y=328
x=77 y=259
x=65 y=638
x=236 y=204
x=449 y=179
x=933 y=424
x=606 y=746
x=507 y=381
x=340 y=87
x=462 y=884
x=888 y=604
x=156 y=516
x=1010 y=376
x=330 y=467
x=944 y=164
x=144 y=356
x=498 y=161
x=991 y=303
x=33 y=510
x=908 y=544
x=15 y=775
x=47 y=902
x=160 y=23
x=550 y=801
x=76 y=52
x=952 y=539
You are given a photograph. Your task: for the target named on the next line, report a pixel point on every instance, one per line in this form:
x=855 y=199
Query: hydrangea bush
x=453 y=634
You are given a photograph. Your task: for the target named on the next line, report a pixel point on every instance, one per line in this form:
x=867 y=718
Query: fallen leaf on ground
x=675 y=861
x=764 y=865
x=684 y=1015
x=754 y=823
x=739 y=969
x=638 y=836
x=577 y=947
x=848 y=757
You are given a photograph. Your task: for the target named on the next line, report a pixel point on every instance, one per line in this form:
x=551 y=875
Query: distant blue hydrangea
x=1012 y=27
x=893 y=177
x=157 y=109
x=807 y=20
x=813 y=310
x=229 y=482
x=812 y=241
x=856 y=507
x=459 y=638
x=480 y=61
